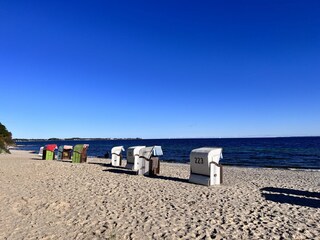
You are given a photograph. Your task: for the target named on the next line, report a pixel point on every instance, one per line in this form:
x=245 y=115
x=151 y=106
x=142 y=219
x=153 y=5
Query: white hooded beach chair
x=133 y=157
x=41 y=151
x=204 y=166
x=149 y=160
x=116 y=158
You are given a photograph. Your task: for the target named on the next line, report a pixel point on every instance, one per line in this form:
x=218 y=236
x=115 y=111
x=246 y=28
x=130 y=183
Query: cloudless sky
x=159 y=69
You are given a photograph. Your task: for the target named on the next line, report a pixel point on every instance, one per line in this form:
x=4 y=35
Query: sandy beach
x=59 y=200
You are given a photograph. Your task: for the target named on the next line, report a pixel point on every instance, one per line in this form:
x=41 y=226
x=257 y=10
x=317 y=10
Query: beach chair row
x=78 y=153
x=141 y=159
x=204 y=162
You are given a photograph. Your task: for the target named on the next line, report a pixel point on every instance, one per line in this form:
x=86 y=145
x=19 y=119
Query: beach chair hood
x=51 y=147
x=134 y=151
x=157 y=151
x=79 y=147
x=149 y=152
x=117 y=150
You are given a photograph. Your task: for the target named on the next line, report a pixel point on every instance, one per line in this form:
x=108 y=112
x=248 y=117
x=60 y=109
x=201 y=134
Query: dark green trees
x=5 y=139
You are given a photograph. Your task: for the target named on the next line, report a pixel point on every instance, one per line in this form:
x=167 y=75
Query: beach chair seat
x=80 y=153
x=133 y=162
x=149 y=160
x=48 y=152
x=204 y=166
x=116 y=156
x=64 y=152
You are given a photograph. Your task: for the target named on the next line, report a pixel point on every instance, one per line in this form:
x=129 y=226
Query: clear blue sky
x=157 y=69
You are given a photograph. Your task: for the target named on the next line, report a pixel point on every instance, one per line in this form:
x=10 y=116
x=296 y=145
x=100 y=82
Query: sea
x=280 y=152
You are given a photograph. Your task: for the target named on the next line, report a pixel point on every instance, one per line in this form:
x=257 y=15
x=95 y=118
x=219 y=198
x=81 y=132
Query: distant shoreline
x=111 y=139
x=69 y=139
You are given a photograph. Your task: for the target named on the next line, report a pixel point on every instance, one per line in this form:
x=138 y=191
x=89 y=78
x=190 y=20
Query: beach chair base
x=215 y=177
x=129 y=166
x=154 y=166
x=200 y=179
x=48 y=155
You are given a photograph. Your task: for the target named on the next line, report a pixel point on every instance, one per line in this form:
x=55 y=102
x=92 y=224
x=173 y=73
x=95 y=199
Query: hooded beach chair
x=116 y=158
x=41 y=151
x=133 y=157
x=80 y=153
x=149 y=160
x=204 y=166
x=64 y=152
x=48 y=152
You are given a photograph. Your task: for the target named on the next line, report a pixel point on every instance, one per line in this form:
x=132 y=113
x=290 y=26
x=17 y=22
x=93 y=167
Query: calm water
x=294 y=152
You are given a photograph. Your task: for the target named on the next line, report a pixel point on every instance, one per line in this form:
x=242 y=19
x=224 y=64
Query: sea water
x=285 y=152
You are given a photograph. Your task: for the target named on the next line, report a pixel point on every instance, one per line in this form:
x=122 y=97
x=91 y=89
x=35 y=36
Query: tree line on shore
x=5 y=139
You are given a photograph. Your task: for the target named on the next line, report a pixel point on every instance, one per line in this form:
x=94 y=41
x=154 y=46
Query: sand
x=43 y=199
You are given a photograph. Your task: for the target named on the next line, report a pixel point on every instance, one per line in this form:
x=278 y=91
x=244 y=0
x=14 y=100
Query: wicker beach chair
x=149 y=160
x=116 y=158
x=80 y=153
x=204 y=166
x=133 y=162
x=41 y=151
x=48 y=152
x=64 y=152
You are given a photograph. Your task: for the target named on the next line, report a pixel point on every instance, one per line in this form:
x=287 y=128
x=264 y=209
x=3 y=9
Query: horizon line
x=139 y=138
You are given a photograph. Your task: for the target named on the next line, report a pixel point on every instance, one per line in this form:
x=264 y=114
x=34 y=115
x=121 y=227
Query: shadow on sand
x=70 y=161
x=99 y=163
x=176 y=179
x=291 y=196
x=129 y=172
x=120 y=170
